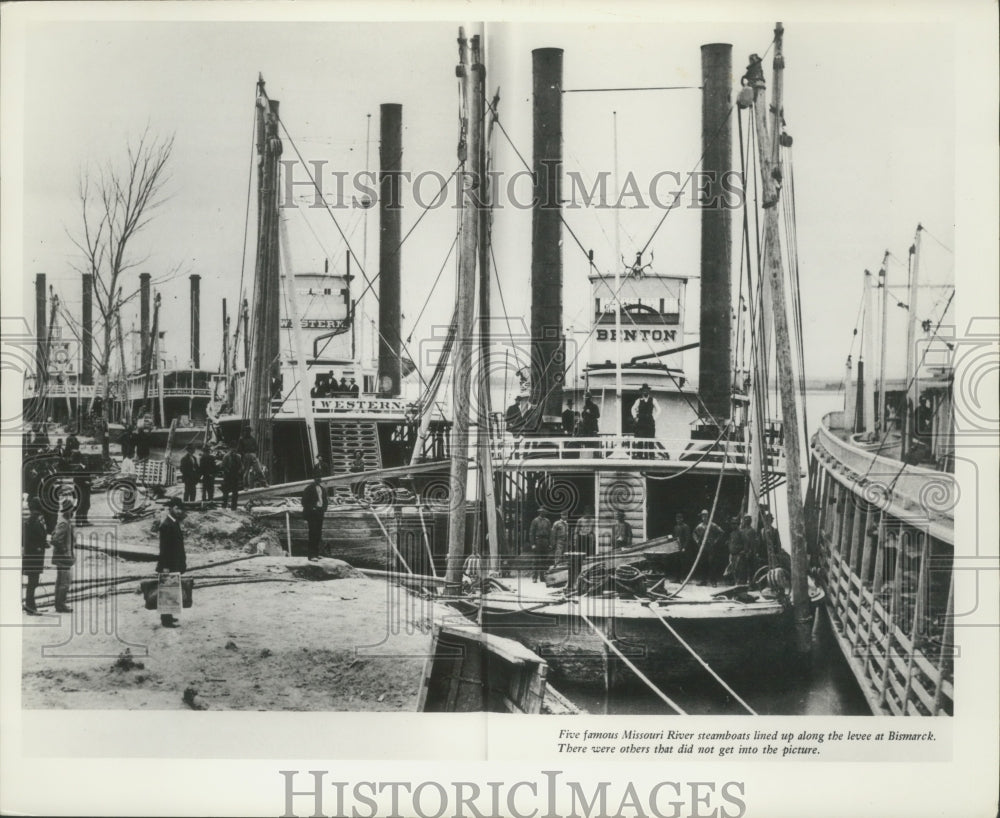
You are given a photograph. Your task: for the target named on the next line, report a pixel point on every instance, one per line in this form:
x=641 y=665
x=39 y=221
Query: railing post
x=876 y=586
x=890 y=624
x=946 y=637
x=918 y=607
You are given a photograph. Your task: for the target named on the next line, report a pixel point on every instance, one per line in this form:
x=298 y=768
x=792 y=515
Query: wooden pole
x=911 y=340
x=883 y=275
x=225 y=341
x=617 y=261
x=246 y=335
x=868 y=348
x=466 y=302
x=155 y=351
x=786 y=375
x=850 y=400
x=304 y=399
x=483 y=387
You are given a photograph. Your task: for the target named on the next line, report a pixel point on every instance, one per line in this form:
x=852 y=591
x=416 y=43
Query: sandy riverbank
x=262 y=634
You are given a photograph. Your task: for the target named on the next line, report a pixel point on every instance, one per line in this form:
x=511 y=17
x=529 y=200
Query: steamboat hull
x=380 y=539
x=735 y=639
x=884 y=539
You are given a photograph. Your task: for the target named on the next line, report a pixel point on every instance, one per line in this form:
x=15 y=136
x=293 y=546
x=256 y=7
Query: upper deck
x=912 y=494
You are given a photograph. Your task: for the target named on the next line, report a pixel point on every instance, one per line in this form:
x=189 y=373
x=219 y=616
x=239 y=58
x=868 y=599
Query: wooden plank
x=895 y=708
x=926 y=699
x=286 y=489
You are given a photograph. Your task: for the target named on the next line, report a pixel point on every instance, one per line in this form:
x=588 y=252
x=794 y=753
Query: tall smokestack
x=390 y=211
x=195 y=321
x=144 y=317
x=87 y=340
x=41 y=330
x=546 y=233
x=714 y=376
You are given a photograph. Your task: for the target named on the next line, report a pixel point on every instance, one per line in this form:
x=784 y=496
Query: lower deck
x=883 y=547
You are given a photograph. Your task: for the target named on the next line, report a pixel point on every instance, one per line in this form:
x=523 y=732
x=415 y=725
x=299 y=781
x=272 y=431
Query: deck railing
x=506 y=448
x=915 y=491
x=886 y=561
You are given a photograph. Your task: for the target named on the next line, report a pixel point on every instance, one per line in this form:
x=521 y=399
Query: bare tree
x=117 y=199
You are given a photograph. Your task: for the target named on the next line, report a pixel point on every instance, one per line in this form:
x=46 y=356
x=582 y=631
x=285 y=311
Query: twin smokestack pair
x=716 y=229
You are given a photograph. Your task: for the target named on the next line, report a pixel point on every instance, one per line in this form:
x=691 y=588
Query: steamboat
x=883 y=492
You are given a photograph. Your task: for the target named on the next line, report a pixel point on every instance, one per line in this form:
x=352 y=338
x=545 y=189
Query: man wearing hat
x=34 y=541
x=516 y=415
x=715 y=552
x=172 y=559
x=189 y=474
x=644 y=413
x=570 y=419
x=539 y=544
x=589 y=417
x=207 y=469
x=314 y=503
x=62 y=553
x=621 y=533
x=232 y=474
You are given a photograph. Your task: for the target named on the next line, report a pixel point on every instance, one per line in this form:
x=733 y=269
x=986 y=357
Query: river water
x=825 y=686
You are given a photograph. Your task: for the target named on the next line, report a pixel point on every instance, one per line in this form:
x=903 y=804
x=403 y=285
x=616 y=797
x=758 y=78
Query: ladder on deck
x=346 y=438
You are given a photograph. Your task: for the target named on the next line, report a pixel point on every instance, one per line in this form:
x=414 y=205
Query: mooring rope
x=632 y=667
x=702 y=662
x=392 y=545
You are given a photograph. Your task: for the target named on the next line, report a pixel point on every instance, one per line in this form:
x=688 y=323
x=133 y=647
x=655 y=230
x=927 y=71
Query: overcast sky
x=870 y=107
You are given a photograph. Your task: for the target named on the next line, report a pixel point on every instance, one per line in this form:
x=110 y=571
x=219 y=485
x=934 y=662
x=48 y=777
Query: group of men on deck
x=734 y=555
x=522 y=418
x=548 y=540
x=327 y=386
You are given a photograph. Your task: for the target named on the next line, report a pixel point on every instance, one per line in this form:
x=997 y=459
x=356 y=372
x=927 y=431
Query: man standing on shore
x=62 y=553
x=34 y=541
x=172 y=559
x=189 y=474
x=81 y=484
x=208 y=467
x=314 y=503
x=232 y=473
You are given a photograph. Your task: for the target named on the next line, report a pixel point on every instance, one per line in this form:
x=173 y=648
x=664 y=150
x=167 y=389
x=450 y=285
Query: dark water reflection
x=825 y=688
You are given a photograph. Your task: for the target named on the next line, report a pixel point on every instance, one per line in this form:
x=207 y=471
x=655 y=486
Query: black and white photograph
x=609 y=393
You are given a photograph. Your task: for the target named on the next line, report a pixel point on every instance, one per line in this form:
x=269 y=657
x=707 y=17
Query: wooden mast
x=485 y=457
x=911 y=340
x=770 y=170
x=883 y=276
x=464 y=317
x=264 y=340
x=301 y=389
x=868 y=354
